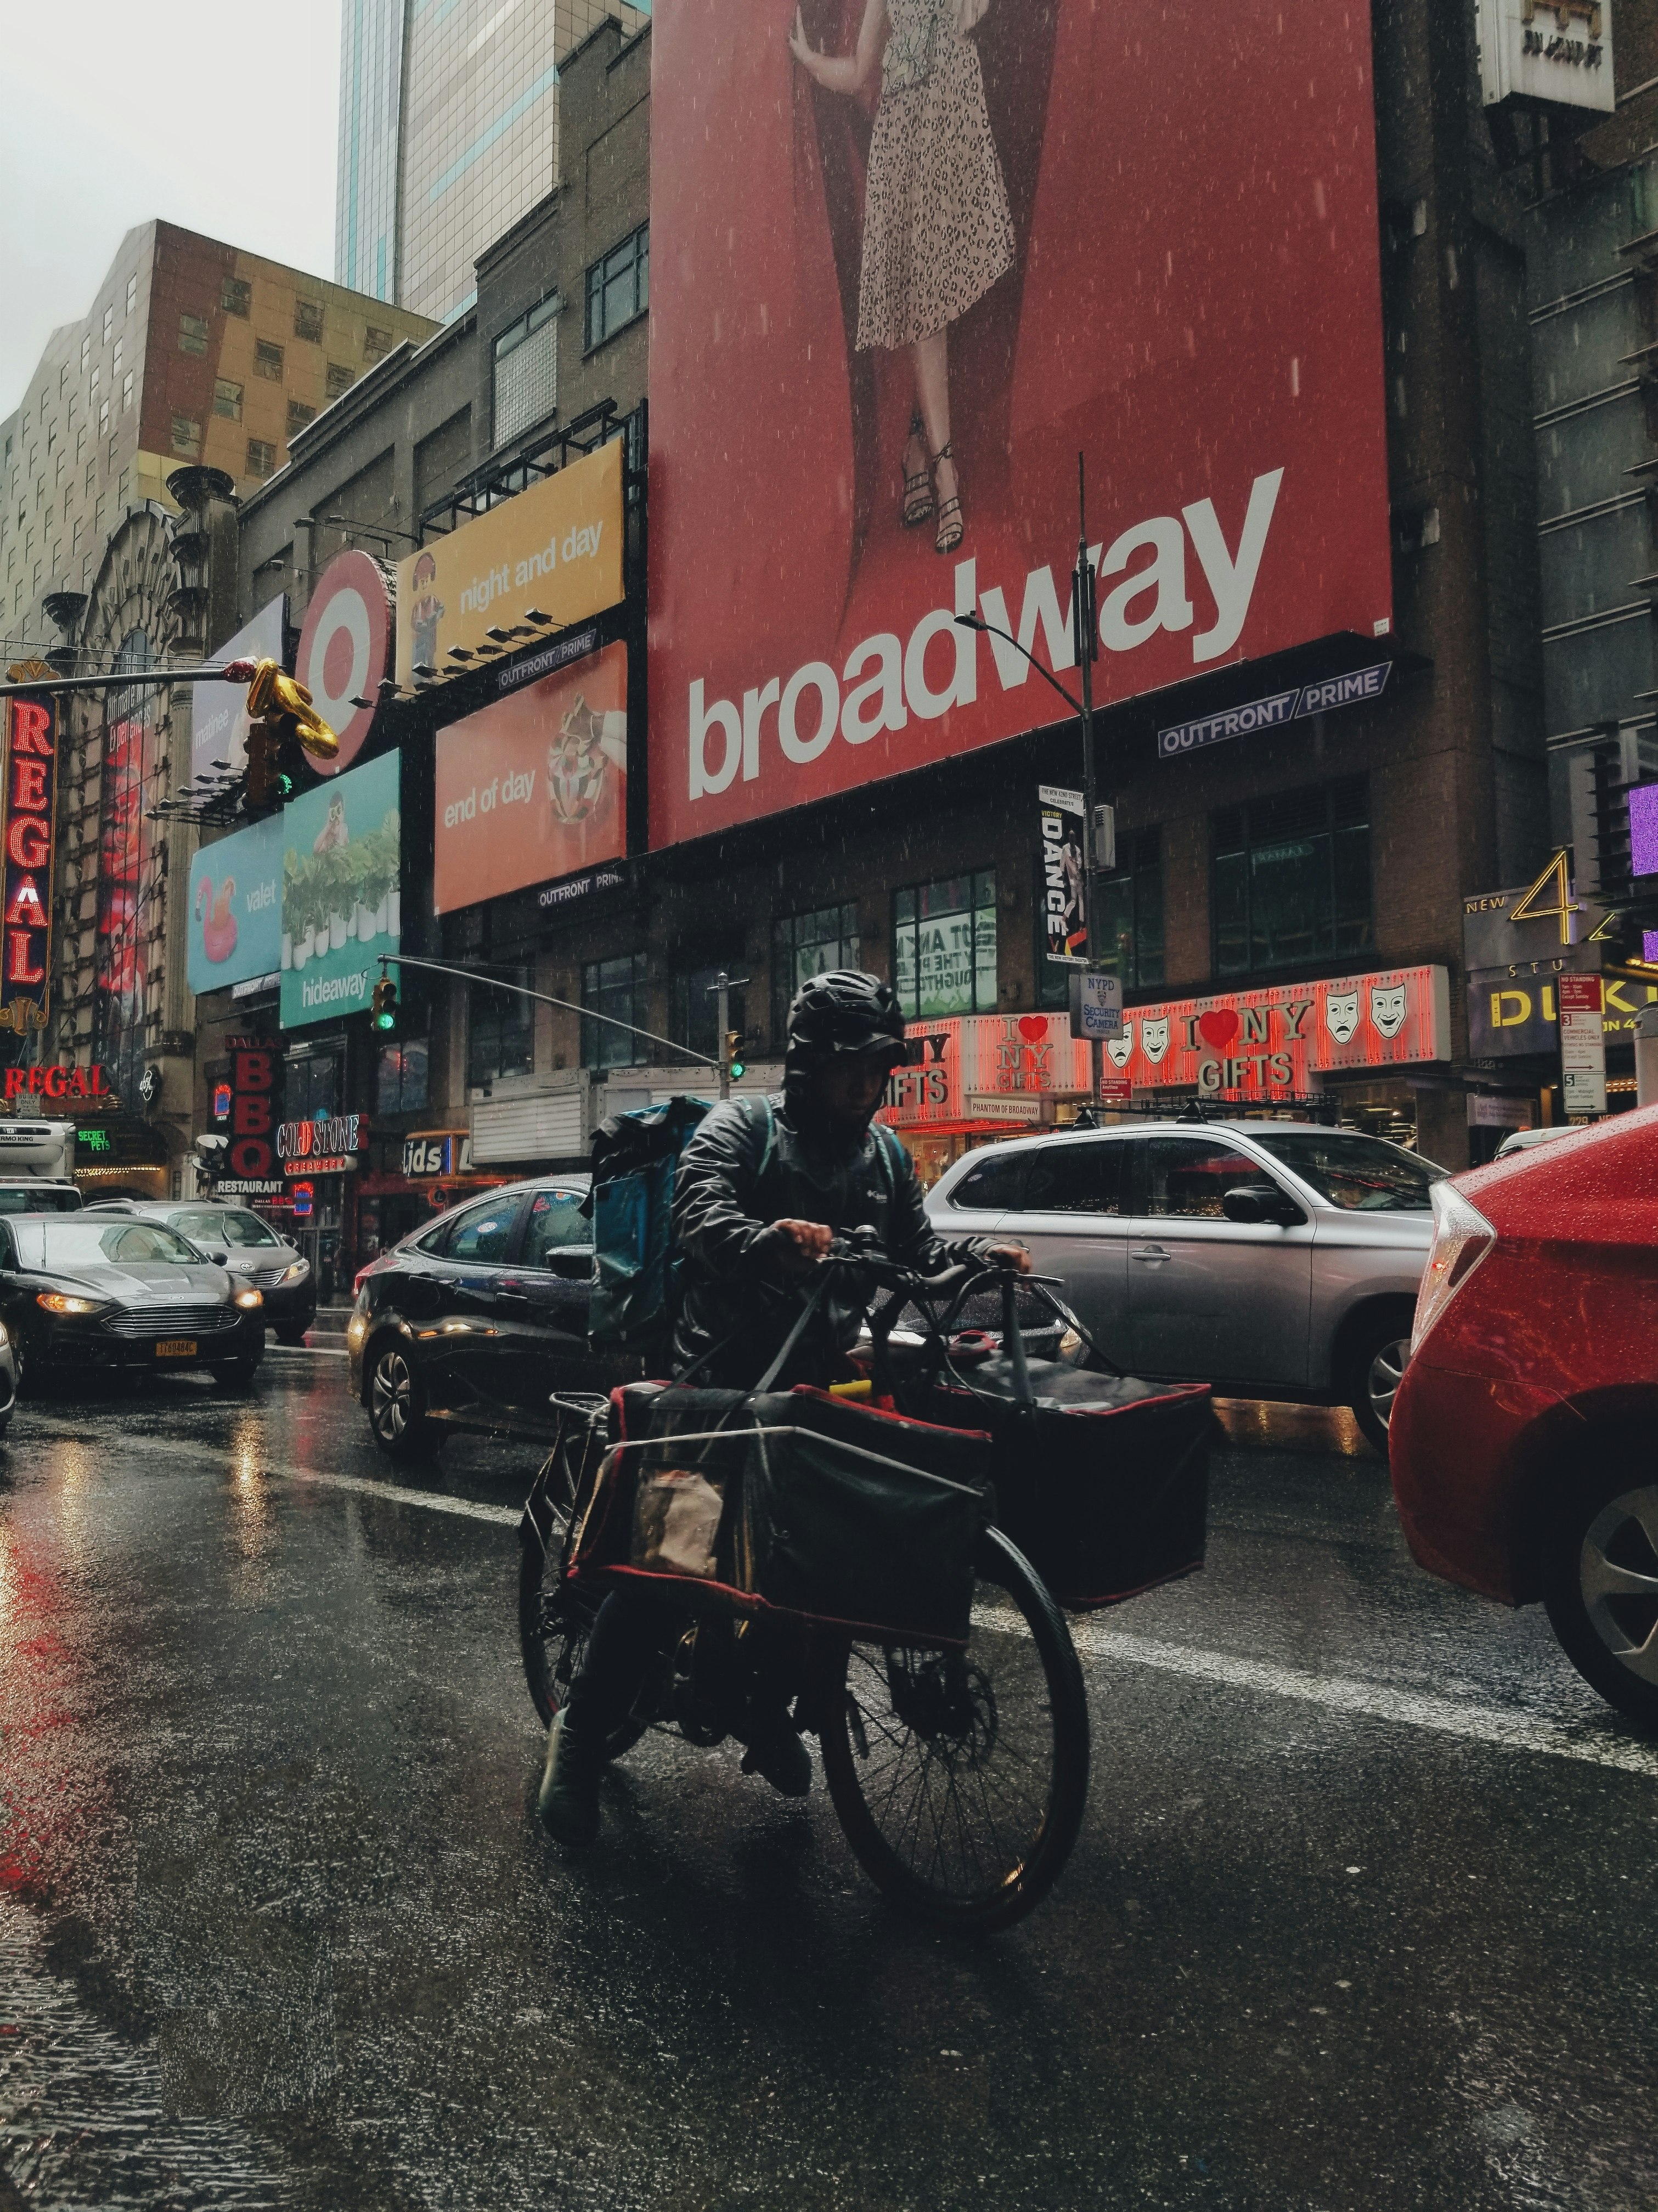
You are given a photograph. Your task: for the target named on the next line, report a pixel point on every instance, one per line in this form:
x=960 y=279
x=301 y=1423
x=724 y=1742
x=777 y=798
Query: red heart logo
x=1219 y=1027
x=1033 y=1028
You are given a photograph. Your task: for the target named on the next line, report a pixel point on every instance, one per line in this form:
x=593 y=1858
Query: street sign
x=1096 y=1006
x=1582 y=1047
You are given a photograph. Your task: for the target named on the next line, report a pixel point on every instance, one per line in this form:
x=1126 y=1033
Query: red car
x=1524 y=1441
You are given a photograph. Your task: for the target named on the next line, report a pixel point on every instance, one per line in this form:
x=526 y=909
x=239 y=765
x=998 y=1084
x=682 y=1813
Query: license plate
x=176 y=1347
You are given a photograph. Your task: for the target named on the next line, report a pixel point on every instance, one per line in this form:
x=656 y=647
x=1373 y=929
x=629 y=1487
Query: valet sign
x=326 y=1147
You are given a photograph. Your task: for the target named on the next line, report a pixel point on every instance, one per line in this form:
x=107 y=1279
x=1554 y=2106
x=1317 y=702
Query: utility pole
x=1086 y=621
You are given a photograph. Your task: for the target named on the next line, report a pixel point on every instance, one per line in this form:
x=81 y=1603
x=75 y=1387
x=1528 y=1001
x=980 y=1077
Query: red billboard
x=909 y=257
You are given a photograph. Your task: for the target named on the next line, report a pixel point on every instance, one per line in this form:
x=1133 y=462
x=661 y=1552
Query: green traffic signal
x=382 y=1005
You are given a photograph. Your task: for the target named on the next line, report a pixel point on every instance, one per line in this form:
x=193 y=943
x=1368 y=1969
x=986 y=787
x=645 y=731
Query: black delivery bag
x=1102 y=1480
x=794 y=1502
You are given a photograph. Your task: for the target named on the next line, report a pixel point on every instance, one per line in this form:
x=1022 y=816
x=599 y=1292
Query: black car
x=247 y=1247
x=475 y=1320
x=95 y=1292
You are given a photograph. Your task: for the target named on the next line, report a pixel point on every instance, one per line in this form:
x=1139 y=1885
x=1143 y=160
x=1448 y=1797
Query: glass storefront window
x=401 y=1077
x=1291 y=878
x=944 y=947
x=806 y=945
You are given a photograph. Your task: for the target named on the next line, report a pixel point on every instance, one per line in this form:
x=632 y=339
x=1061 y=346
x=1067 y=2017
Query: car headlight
x=297 y=1272
x=1462 y=1238
x=61 y=1302
x=356 y=1329
x=248 y=1299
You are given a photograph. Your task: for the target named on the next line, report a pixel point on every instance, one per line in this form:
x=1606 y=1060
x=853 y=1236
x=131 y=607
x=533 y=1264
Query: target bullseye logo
x=345 y=649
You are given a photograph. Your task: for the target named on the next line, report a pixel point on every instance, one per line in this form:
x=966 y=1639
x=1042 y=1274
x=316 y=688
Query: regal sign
x=25 y=878
x=89 y=1084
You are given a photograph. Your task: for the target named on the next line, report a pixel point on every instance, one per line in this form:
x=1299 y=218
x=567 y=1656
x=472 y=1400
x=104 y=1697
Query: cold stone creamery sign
x=327 y=1147
x=1250 y=1045
x=554 y=550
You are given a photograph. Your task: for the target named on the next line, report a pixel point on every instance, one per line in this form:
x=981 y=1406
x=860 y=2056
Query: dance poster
x=908 y=259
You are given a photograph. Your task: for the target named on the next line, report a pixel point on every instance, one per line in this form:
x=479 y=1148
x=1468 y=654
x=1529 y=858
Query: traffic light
x=736 y=1065
x=383 y=1007
x=264 y=779
x=285 y=706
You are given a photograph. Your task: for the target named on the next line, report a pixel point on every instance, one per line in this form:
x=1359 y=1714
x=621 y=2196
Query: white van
x=37 y=1163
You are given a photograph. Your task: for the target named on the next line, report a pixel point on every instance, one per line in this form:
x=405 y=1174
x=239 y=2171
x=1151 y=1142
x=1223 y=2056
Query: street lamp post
x=1086 y=635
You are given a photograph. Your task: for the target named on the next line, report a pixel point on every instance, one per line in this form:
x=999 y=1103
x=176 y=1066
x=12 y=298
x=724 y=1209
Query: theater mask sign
x=1047 y=226
x=342 y=853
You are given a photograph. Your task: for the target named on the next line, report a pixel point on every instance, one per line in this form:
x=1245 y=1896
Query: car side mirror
x=217 y=1255
x=1260 y=1203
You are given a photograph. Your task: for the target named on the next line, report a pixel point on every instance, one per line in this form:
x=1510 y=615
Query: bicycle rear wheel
x=554 y=1621
x=960 y=1778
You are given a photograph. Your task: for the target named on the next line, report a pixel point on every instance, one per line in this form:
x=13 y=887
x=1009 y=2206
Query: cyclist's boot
x=569 y=1803
x=776 y=1751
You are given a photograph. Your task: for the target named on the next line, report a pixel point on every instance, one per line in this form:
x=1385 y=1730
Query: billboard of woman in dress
x=910 y=258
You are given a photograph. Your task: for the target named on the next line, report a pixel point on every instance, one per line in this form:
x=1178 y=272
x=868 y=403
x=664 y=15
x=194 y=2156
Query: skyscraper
x=448 y=133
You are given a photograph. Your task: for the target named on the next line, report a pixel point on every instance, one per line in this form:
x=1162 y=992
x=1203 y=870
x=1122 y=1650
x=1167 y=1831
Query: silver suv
x=1273 y=1259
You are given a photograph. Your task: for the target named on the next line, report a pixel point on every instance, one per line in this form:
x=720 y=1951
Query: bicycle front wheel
x=960 y=1778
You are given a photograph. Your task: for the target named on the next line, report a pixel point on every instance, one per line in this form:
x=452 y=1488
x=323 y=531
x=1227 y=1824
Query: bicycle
x=959 y=1777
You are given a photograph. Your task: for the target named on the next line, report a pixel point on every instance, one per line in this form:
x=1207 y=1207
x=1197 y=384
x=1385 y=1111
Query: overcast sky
x=217 y=114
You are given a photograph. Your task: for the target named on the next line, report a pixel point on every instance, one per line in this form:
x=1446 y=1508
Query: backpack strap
x=887 y=1144
x=771 y=1133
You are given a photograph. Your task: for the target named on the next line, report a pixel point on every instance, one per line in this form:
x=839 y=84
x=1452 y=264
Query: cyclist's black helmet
x=846 y=1011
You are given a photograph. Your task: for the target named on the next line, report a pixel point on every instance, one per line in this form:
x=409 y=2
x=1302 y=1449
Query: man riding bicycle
x=761 y=1191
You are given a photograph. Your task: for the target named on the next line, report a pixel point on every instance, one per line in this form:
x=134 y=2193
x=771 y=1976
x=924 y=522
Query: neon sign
x=26 y=872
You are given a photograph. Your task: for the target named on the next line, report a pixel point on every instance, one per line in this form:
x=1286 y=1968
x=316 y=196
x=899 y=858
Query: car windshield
x=232 y=1226
x=14 y=1200
x=80 y=1243
x=1364 y=1175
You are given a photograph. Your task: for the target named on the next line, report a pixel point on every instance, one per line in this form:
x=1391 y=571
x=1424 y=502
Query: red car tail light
x=1462 y=1238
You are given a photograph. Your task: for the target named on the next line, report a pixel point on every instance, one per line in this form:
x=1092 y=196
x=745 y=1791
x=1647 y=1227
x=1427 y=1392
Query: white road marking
x=315 y=1350
x=223 y=1459
x=1499 y=1726
x=1503 y=1727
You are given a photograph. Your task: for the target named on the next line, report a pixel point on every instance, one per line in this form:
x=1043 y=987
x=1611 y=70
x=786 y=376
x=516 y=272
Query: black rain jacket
x=738 y=1299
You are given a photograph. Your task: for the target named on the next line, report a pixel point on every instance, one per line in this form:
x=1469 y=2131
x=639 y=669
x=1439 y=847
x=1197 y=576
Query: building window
x=616 y=988
x=401 y=1077
x=268 y=361
x=618 y=287
x=120 y=348
x=236 y=295
x=340 y=378
x=298 y=415
x=1290 y=881
x=109 y=321
x=121 y=488
x=103 y=418
x=193 y=333
x=132 y=293
x=186 y=437
x=311 y=1086
x=100 y=514
x=502 y=1039
x=126 y=391
x=527 y=372
x=944 y=947
x=1130 y=912
x=261 y=458
x=804 y=944
x=97 y=379
x=228 y=399
x=85 y=352
x=308 y=320
x=376 y=342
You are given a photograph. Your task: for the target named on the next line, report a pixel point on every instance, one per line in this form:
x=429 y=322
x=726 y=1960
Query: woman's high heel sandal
x=952 y=526
x=917 y=503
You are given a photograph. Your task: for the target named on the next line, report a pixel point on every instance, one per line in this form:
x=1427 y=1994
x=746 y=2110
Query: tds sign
x=253 y=1112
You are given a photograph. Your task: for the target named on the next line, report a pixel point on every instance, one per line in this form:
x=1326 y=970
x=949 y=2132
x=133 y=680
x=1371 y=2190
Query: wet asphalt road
x=1362 y=1914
